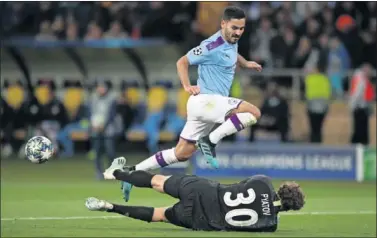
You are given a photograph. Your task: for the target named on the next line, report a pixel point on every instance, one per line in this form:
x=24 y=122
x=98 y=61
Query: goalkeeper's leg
x=147 y=214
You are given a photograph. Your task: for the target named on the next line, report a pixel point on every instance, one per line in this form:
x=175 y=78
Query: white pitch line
x=60 y=218
x=117 y=217
x=329 y=213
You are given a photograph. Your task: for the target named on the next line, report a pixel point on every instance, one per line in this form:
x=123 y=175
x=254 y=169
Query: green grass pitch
x=48 y=200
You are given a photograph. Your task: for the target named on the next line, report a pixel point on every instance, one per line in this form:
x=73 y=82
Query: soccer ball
x=39 y=149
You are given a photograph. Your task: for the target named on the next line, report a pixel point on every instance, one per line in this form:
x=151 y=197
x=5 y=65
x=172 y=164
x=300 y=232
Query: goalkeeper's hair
x=291 y=196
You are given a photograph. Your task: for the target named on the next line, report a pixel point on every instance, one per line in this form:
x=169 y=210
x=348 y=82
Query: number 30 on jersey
x=240 y=211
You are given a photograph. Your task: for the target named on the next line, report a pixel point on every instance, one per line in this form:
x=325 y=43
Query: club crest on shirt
x=197 y=51
x=232 y=101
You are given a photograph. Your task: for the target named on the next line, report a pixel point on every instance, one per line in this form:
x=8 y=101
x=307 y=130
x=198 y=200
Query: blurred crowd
x=95 y=20
x=325 y=39
x=341 y=35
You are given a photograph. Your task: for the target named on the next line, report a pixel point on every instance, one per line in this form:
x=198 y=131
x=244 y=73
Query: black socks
x=140 y=213
x=137 y=178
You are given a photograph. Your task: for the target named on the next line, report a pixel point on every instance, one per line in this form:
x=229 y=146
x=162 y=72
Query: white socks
x=233 y=124
x=158 y=160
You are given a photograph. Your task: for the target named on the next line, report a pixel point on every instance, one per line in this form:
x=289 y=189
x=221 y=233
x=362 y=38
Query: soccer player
x=250 y=205
x=211 y=113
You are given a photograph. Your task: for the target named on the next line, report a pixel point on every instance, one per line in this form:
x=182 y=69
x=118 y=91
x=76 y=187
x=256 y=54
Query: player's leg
x=182 y=152
x=139 y=178
x=233 y=115
x=192 y=131
x=184 y=149
x=147 y=214
x=244 y=115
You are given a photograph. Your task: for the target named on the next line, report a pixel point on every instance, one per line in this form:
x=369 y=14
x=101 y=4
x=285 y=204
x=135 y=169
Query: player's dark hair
x=233 y=12
x=291 y=196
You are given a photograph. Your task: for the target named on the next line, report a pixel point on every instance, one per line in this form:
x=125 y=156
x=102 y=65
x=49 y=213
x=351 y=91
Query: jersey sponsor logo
x=197 y=51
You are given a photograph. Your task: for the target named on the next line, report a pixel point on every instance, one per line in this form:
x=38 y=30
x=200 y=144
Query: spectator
x=312 y=29
x=5 y=116
x=318 y=95
x=17 y=125
x=282 y=47
x=46 y=11
x=306 y=10
x=103 y=124
x=286 y=16
x=275 y=114
x=338 y=65
x=78 y=117
x=305 y=56
x=94 y=32
x=126 y=108
x=326 y=19
x=260 y=42
x=115 y=32
x=362 y=95
x=47 y=113
x=323 y=44
x=369 y=37
x=58 y=27
x=45 y=32
x=71 y=32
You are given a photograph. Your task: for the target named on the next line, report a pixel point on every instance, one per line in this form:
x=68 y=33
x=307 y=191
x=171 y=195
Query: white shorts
x=204 y=111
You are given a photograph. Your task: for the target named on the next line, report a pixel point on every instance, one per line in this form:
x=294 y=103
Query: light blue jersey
x=217 y=64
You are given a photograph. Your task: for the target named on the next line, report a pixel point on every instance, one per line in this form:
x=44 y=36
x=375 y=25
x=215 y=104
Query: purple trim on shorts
x=191 y=141
x=214 y=44
x=160 y=159
x=236 y=122
x=239 y=104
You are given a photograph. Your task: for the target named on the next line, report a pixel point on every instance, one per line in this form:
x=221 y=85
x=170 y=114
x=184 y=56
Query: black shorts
x=186 y=188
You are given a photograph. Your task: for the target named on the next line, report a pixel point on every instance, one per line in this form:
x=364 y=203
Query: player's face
x=233 y=29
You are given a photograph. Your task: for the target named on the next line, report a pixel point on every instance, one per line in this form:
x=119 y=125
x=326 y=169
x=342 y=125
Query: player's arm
x=242 y=61
x=182 y=69
x=196 y=56
x=248 y=64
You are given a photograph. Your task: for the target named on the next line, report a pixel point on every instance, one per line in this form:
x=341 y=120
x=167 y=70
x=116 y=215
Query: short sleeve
x=199 y=55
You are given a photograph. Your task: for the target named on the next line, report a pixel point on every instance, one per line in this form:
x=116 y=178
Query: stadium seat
x=15 y=95
x=176 y=119
x=149 y=129
x=157 y=97
x=42 y=94
x=73 y=98
x=136 y=131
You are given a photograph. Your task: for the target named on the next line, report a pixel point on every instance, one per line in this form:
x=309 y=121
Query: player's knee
x=159 y=215
x=158 y=182
x=248 y=107
x=184 y=150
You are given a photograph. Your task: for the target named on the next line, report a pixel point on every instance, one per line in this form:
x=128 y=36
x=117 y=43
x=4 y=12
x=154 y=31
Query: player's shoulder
x=263 y=180
x=213 y=43
x=261 y=177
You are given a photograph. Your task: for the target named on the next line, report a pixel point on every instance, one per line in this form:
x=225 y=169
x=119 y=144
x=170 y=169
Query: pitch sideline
x=119 y=216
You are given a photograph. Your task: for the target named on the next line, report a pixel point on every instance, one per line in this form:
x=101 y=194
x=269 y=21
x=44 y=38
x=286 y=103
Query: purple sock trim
x=236 y=122
x=160 y=159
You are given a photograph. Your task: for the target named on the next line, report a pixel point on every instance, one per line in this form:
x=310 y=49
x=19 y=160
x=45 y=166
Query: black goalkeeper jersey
x=248 y=205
